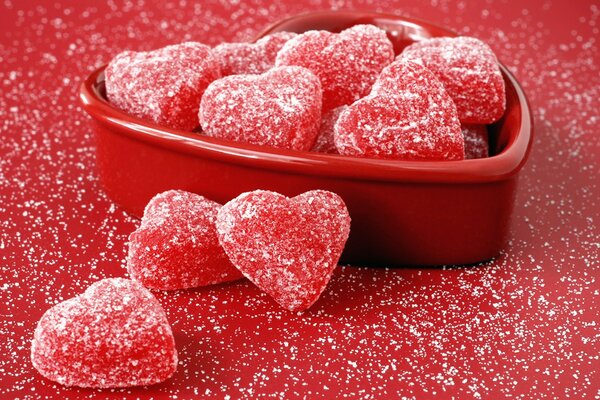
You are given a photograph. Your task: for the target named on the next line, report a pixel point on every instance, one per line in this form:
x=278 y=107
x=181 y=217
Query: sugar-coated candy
x=325 y=141
x=469 y=70
x=288 y=247
x=163 y=86
x=176 y=244
x=115 y=334
x=251 y=58
x=347 y=63
x=280 y=108
x=407 y=116
x=476 y=141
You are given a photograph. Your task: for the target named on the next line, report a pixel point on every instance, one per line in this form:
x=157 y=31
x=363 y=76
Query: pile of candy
x=339 y=93
x=333 y=93
x=116 y=334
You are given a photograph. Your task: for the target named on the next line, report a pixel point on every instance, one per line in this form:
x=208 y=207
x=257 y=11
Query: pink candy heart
x=251 y=58
x=163 y=86
x=347 y=63
x=288 y=247
x=176 y=245
x=115 y=334
x=469 y=70
x=280 y=108
x=407 y=116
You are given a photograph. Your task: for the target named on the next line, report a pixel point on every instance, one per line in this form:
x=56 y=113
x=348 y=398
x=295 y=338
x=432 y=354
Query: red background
x=525 y=323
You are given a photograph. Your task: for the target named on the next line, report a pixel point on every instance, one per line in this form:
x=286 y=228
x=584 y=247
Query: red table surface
x=524 y=325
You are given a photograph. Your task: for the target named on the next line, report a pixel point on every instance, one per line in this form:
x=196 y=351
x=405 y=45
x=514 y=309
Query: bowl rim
x=498 y=167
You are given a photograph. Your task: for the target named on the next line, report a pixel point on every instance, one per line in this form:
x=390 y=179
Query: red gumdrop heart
x=176 y=245
x=115 y=334
x=347 y=63
x=163 y=86
x=280 y=108
x=288 y=247
x=251 y=58
x=469 y=70
x=325 y=142
x=407 y=116
x=477 y=144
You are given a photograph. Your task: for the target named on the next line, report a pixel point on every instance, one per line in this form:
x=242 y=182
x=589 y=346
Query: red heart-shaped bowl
x=403 y=212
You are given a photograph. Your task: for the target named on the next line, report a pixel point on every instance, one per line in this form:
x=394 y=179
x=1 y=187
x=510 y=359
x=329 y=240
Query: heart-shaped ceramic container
x=403 y=212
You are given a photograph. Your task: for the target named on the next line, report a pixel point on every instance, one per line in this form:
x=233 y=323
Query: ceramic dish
x=403 y=212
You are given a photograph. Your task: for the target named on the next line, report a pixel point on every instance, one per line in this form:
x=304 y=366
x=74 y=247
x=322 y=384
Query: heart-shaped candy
x=469 y=70
x=176 y=245
x=280 y=108
x=115 y=334
x=477 y=144
x=288 y=247
x=163 y=86
x=347 y=63
x=407 y=116
x=325 y=142
x=251 y=58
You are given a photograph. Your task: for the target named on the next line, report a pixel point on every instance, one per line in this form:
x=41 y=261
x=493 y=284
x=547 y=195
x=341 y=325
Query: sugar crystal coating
x=325 y=141
x=163 y=86
x=288 y=247
x=176 y=244
x=469 y=70
x=115 y=334
x=251 y=58
x=347 y=63
x=476 y=141
x=280 y=108
x=407 y=116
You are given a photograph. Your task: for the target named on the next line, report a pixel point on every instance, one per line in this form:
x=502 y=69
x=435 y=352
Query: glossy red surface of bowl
x=403 y=212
